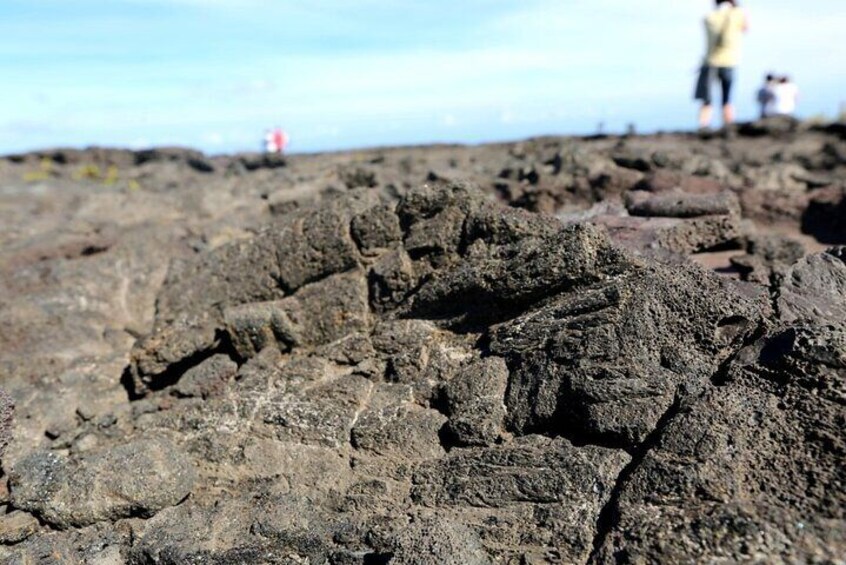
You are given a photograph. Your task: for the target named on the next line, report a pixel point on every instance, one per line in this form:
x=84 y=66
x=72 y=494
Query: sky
x=339 y=74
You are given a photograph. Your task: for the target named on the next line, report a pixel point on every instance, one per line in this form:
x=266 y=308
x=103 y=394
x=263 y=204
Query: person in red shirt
x=275 y=141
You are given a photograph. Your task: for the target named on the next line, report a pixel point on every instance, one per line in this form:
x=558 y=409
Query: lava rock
x=681 y=205
x=135 y=479
x=475 y=401
x=813 y=289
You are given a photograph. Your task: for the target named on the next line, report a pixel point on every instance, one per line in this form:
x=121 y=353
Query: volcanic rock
x=138 y=478
x=319 y=359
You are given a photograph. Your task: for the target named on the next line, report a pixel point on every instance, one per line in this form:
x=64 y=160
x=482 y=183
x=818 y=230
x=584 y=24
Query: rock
x=358 y=177
x=676 y=235
x=435 y=541
x=593 y=363
x=747 y=470
x=160 y=154
x=767 y=258
x=321 y=414
x=773 y=126
x=201 y=165
x=823 y=218
x=548 y=474
x=377 y=229
x=317 y=314
x=189 y=311
x=303 y=248
x=313 y=246
x=776 y=206
x=632 y=159
x=515 y=275
x=814 y=290
x=16 y=527
x=391 y=280
x=494 y=225
x=407 y=346
x=52 y=550
x=671 y=181
x=615 y=181
x=255 y=161
x=7 y=412
x=399 y=430
x=207 y=378
x=681 y=205
x=475 y=402
x=136 y=479
x=340 y=366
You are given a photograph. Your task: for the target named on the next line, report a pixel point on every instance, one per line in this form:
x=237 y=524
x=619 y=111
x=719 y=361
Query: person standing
x=724 y=29
x=270 y=142
x=275 y=140
x=785 y=95
x=766 y=95
x=280 y=140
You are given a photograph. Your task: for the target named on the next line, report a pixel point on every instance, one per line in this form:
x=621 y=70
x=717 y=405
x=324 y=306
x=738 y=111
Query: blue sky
x=214 y=74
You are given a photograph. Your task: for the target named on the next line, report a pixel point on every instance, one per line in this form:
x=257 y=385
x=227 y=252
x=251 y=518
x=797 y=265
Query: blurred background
x=335 y=74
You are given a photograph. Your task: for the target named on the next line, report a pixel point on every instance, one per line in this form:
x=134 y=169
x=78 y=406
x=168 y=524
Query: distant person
x=766 y=95
x=275 y=141
x=269 y=143
x=724 y=28
x=785 y=95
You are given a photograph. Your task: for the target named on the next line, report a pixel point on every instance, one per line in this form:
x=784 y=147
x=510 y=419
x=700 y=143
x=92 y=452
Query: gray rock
x=814 y=289
x=767 y=258
x=645 y=235
x=563 y=486
x=321 y=414
x=681 y=205
x=475 y=400
x=314 y=245
x=136 y=479
x=315 y=315
x=7 y=412
x=399 y=430
x=391 y=280
x=436 y=541
x=748 y=470
x=362 y=381
x=376 y=229
x=602 y=364
x=407 y=346
x=512 y=276
x=16 y=527
x=208 y=378
x=823 y=218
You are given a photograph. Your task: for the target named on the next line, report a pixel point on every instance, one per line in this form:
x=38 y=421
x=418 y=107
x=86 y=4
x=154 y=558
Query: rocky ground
x=604 y=350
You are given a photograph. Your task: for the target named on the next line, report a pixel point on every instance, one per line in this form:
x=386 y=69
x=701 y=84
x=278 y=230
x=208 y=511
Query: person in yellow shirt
x=724 y=29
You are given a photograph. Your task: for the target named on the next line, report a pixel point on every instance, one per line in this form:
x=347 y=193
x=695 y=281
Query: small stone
x=16 y=527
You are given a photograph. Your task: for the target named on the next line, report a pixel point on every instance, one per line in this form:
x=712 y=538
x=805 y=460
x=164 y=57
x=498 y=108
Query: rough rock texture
x=7 y=411
x=813 y=289
x=364 y=358
x=134 y=479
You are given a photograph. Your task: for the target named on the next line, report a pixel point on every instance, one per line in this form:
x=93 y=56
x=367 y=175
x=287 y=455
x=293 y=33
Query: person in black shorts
x=724 y=28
